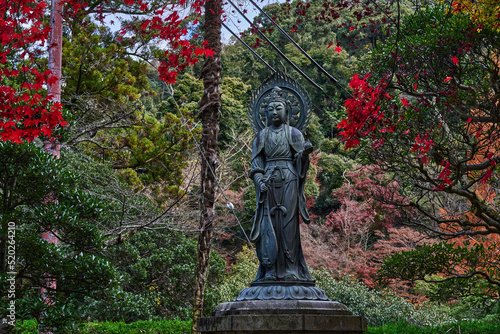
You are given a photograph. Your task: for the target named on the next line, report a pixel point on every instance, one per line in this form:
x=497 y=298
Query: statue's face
x=276 y=113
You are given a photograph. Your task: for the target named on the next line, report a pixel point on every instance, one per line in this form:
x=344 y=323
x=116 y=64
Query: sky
x=236 y=22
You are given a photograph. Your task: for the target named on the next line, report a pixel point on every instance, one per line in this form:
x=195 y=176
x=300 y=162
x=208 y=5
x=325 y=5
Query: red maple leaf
x=455 y=60
x=487 y=176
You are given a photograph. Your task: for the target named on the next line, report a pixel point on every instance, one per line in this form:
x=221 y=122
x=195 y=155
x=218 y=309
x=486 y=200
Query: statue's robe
x=277 y=157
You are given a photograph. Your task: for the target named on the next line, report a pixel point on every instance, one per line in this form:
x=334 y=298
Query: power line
x=249 y=48
x=281 y=53
x=284 y=33
x=229 y=205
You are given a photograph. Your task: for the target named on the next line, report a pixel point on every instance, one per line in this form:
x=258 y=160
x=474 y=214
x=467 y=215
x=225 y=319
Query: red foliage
x=365 y=118
x=349 y=241
x=26 y=110
x=373 y=192
x=363 y=111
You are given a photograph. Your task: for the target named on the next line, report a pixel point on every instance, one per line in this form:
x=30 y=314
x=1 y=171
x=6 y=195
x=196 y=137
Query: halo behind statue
x=300 y=111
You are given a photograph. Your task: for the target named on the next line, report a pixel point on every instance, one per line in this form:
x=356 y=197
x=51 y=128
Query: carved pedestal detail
x=282 y=290
x=282 y=316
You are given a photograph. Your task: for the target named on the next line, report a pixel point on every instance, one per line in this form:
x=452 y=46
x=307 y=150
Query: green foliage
x=473 y=327
x=242 y=274
x=379 y=307
x=40 y=193
x=463 y=266
x=234 y=119
x=94 y=62
x=157 y=279
x=149 y=154
x=311 y=187
x=26 y=327
x=477 y=306
x=112 y=110
x=314 y=37
x=187 y=93
x=102 y=82
x=152 y=327
x=333 y=167
x=314 y=132
x=142 y=275
x=121 y=204
x=183 y=327
x=249 y=204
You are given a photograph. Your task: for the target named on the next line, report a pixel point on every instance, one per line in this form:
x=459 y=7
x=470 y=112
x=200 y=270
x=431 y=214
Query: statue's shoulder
x=259 y=136
x=296 y=134
x=260 y=133
x=258 y=142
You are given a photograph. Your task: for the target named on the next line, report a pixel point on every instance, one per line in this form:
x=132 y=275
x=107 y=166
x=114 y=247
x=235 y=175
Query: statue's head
x=277 y=109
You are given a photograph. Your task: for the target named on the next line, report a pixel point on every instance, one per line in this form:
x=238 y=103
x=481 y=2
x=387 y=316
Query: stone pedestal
x=285 y=316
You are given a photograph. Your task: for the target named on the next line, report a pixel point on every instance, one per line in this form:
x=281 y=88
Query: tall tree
x=28 y=178
x=428 y=110
x=28 y=114
x=209 y=114
x=26 y=110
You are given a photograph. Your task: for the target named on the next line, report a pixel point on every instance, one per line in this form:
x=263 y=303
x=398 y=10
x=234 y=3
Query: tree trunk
x=209 y=114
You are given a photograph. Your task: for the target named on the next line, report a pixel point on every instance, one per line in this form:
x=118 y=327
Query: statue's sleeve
x=302 y=165
x=258 y=163
x=257 y=170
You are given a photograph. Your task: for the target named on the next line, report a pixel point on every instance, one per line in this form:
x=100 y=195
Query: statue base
x=280 y=290
x=287 y=316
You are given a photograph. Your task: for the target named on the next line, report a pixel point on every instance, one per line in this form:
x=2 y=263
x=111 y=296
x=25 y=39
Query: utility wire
x=249 y=48
x=281 y=53
x=229 y=205
x=284 y=33
x=263 y=61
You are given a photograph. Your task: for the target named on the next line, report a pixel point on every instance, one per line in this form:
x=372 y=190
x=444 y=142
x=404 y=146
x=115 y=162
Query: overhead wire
x=281 y=53
x=249 y=48
x=229 y=204
x=284 y=33
x=270 y=67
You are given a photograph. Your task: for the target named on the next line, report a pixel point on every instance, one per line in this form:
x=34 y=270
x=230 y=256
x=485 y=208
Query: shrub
x=156 y=327
x=26 y=327
x=379 y=306
x=242 y=273
x=149 y=327
x=472 y=327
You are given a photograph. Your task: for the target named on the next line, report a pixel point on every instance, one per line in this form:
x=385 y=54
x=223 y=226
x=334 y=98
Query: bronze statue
x=280 y=159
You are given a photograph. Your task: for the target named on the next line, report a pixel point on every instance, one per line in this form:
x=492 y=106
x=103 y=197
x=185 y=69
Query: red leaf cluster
x=182 y=52
x=26 y=111
x=364 y=115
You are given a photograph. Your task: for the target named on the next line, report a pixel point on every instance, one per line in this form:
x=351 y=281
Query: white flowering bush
x=379 y=306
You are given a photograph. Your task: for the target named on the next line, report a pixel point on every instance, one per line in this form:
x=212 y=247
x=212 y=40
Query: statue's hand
x=263 y=187
x=308 y=148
